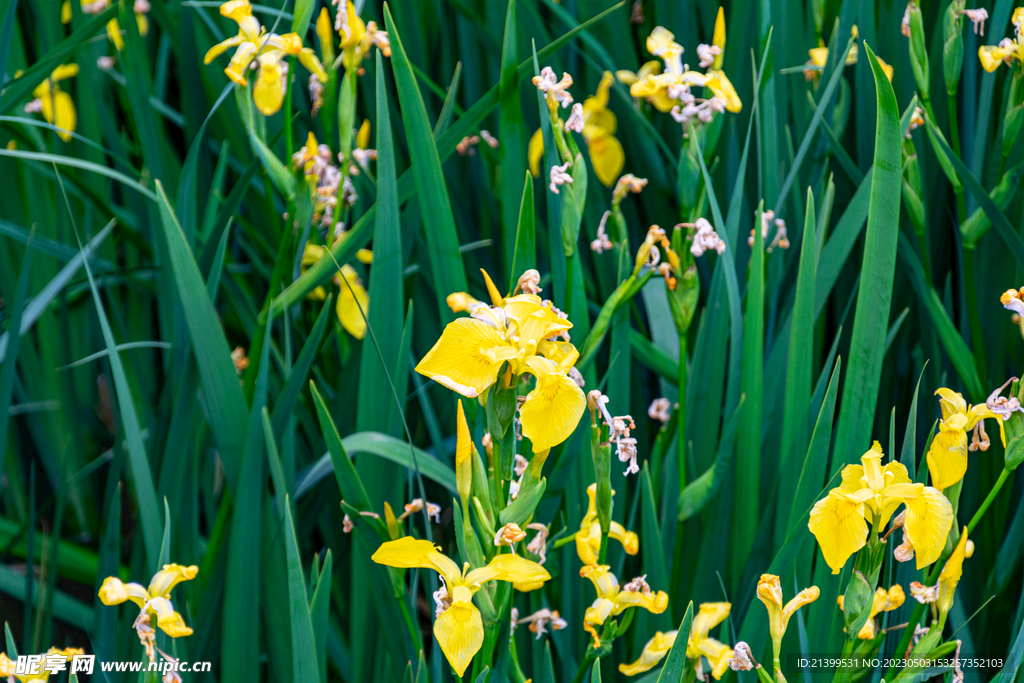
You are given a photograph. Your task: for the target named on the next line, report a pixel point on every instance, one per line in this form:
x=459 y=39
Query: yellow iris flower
x=819 y=57
x=8 y=667
x=351 y=297
x=599 y=126
x=769 y=591
x=357 y=37
x=883 y=601
x=588 y=538
x=698 y=645
x=54 y=104
x=269 y=50
x=947 y=457
x=521 y=331
x=612 y=601
x=653 y=84
x=459 y=628
x=872 y=492
x=1007 y=50
x=155 y=599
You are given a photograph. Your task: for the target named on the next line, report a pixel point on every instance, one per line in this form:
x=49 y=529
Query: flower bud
x=918 y=50
x=953 y=45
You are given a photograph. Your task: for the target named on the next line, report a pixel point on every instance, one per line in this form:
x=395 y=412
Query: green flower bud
x=918 y=50
x=953 y=45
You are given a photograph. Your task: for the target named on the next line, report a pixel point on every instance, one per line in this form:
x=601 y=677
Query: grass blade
x=675 y=662
x=442 y=237
x=871 y=318
x=512 y=133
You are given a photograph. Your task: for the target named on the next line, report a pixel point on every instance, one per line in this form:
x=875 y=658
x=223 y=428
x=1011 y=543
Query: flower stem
x=681 y=411
x=954 y=134
x=1003 y=476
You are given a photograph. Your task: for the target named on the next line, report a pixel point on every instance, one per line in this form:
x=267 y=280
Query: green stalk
x=973 y=319
x=289 y=134
x=681 y=411
x=567 y=301
x=961 y=207
x=954 y=134
x=1003 y=476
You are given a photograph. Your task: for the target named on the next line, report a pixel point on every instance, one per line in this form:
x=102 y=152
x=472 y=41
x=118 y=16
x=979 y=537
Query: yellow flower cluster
x=667 y=85
x=154 y=600
x=459 y=628
x=1007 y=51
x=522 y=331
x=269 y=50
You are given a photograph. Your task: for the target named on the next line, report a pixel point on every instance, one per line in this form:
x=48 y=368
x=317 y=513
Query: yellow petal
x=719 y=38
x=818 y=55
x=409 y=552
x=169 y=621
x=605 y=583
x=991 y=56
x=114 y=34
x=719 y=84
x=886 y=69
x=588 y=543
x=837 y=522
x=169 y=577
x=325 y=31
x=929 y=519
x=710 y=615
x=562 y=354
x=363 y=136
x=312 y=63
x=947 y=457
x=536 y=152
x=113 y=592
x=65 y=12
x=718 y=655
x=553 y=409
x=64 y=71
x=496 y=298
x=236 y=10
x=353 y=304
x=654 y=651
x=466 y=358
x=221 y=47
x=607 y=156
x=142 y=22
x=59 y=109
x=512 y=568
x=391 y=522
x=629 y=540
x=460 y=632
x=804 y=597
x=951 y=402
x=655 y=603
x=269 y=89
x=951 y=574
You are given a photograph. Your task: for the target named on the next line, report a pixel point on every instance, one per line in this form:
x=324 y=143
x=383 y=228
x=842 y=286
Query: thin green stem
x=584 y=667
x=289 y=134
x=1003 y=476
x=567 y=301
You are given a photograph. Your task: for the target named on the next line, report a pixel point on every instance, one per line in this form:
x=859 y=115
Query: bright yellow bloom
x=155 y=599
x=947 y=457
x=612 y=601
x=269 y=51
x=599 y=126
x=698 y=645
x=588 y=538
x=521 y=331
x=951 y=573
x=54 y=104
x=8 y=667
x=872 y=492
x=883 y=601
x=351 y=297
x=667 y=90
x=626 y=77
x=992 y=56
x=459 y=628
x=819 y=57
x=769 y=591
x=357 y=37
